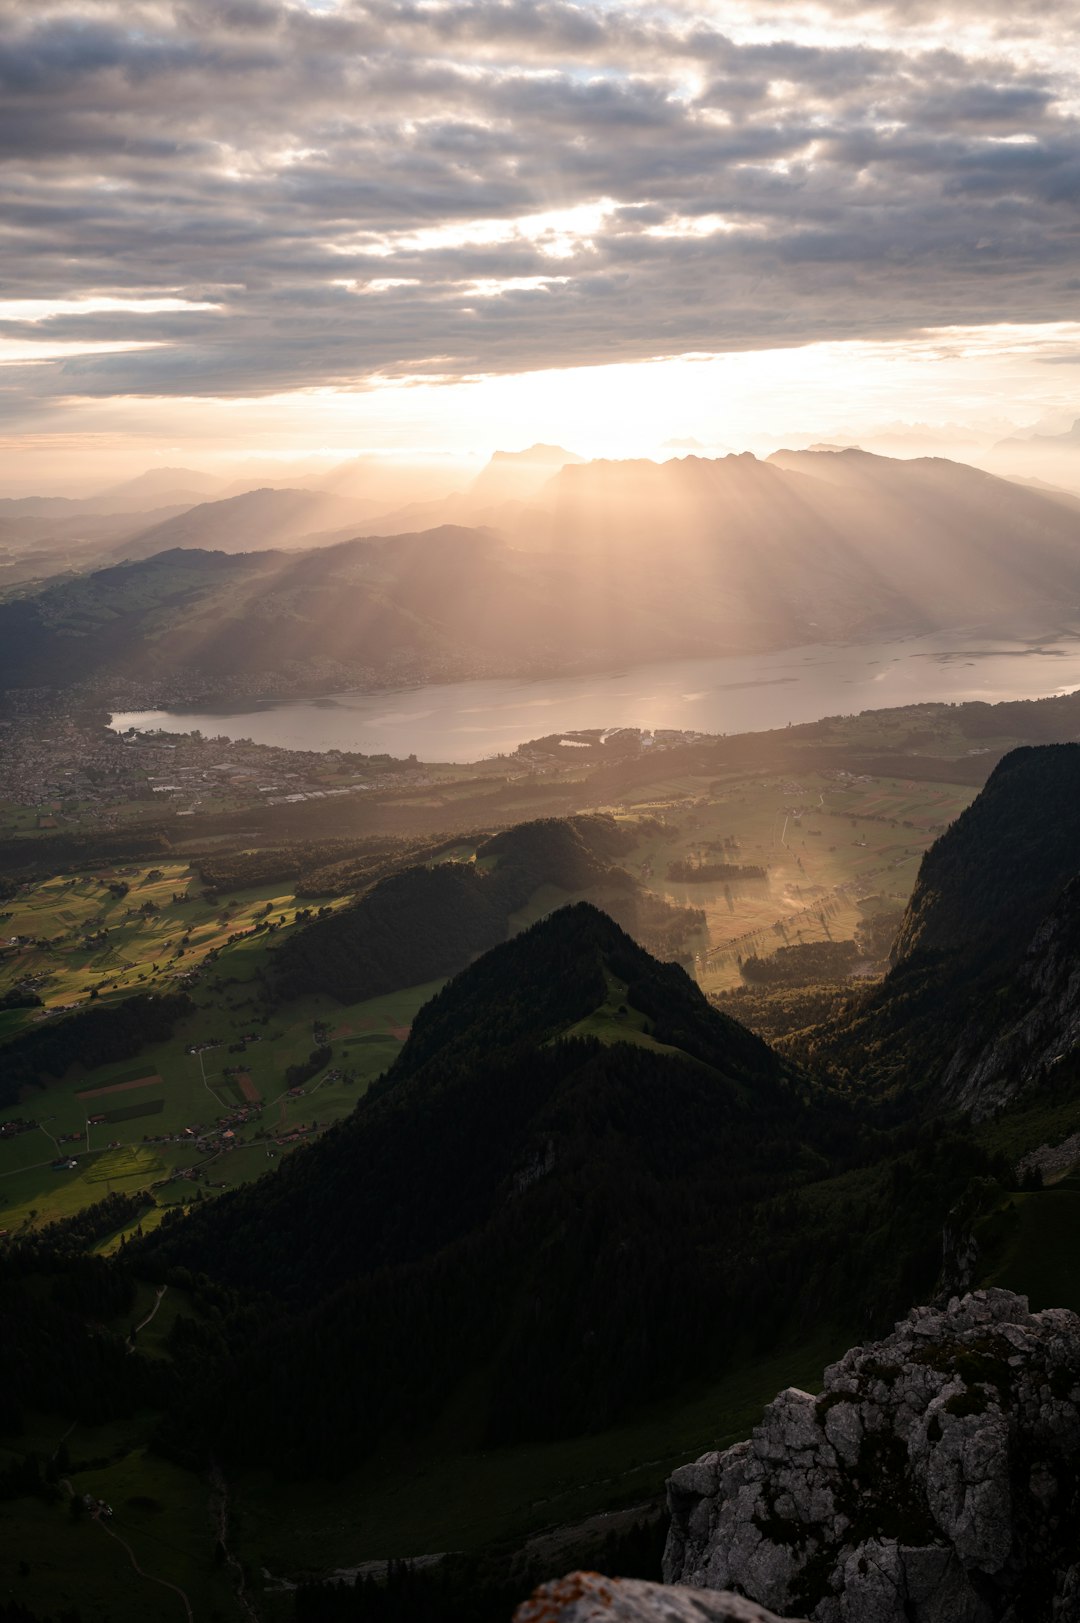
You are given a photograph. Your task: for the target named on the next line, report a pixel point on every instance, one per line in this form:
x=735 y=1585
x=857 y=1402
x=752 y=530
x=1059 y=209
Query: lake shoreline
x=483 y=718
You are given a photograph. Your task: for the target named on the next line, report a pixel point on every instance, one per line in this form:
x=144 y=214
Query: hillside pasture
x=73 y=936
x=190 y=1093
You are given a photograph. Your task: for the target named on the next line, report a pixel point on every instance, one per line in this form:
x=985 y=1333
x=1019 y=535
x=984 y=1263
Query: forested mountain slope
x=429 y=921
x=566 y=1184
x=452 y=599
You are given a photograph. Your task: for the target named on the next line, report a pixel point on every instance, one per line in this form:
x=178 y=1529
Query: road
x=157 y=1303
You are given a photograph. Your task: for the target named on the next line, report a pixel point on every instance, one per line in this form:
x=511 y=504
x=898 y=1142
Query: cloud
x=383 y=189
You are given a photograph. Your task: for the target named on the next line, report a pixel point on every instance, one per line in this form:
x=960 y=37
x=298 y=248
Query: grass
x=405 y=1503
x=130 y=1161
x=158 y=1509
x=1032 y=1245
x=64 y=914
x=151 y=1107
x=132 y=1073
x=615 y=1021
x=850 y=839
x=227 y=999
x=1021 y=1130
x=546 y=899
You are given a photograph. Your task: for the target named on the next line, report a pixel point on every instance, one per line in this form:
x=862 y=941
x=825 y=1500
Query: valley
x=807 y=866
x=539 y=767
x=318 y=1054
x=835 y=851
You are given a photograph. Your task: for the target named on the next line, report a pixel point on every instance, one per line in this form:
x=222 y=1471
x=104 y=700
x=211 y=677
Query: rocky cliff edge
x=586 y=1597
x=936 y=1479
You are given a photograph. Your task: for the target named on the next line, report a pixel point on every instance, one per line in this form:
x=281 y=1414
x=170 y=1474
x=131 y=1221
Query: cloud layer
x=266 y=194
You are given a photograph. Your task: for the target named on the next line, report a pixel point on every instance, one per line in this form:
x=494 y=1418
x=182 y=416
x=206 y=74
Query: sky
x=295 y=229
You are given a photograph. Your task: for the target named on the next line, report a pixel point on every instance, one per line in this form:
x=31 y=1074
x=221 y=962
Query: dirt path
x=33 y=1167
x=211 y=1091
x=164 y=1582
x=157 y=1303
x=60 y=1445
x=65 y=1482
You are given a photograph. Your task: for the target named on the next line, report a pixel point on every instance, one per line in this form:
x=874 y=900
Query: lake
x=468 y=721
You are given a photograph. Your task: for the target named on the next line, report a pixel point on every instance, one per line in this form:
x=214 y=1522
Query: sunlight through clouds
x=482 y=207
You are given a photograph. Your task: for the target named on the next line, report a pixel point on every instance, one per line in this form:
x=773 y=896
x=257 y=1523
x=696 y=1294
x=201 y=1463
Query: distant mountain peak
x=545 y=455
x=518 y=476
x=154 y=480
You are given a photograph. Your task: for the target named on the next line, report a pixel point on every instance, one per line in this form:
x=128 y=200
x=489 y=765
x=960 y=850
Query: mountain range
x=1051 y=456
x=254 y=521
x=689 y=558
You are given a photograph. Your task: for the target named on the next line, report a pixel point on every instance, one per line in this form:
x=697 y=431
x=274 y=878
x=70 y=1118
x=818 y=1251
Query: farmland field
x=177 y=1089
x=131 y=929
x=834 y=848
x=121 y=1086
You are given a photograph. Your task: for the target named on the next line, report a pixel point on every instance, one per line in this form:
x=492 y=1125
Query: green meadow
x=144 y=1106
x=834 y=848
x=461 y=1499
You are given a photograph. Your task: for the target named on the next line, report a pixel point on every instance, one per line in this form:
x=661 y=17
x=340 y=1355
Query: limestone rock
x=586 y=1597
x=933 y=1480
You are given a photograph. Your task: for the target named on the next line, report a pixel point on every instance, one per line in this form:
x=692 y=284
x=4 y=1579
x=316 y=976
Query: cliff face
x=996 y=872
x=984 y=993
x=933 y=1481
x=1038 y=1028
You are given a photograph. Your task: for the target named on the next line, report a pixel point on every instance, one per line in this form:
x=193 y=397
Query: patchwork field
x=121 y=1087
x=212 y=1107
x=115 y=931
x=140 y=1123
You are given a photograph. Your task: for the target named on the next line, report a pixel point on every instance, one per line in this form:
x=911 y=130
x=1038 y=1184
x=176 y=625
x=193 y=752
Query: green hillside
x=575 y=1221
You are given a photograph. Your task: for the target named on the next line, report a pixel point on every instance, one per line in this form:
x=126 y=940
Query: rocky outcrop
x=586 y=1597
x=934 y=1480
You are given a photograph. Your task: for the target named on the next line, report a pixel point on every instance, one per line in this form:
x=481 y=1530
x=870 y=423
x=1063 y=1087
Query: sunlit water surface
x=467 y=721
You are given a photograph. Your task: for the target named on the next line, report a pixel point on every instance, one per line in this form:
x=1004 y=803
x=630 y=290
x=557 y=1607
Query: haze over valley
x=539 y=867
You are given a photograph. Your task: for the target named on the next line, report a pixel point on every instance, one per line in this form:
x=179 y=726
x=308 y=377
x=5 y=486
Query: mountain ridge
x=755 y=557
